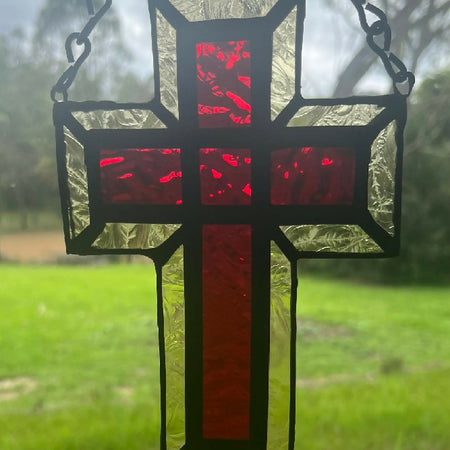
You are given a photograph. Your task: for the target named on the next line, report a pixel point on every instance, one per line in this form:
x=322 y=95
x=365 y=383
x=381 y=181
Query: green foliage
x=27 y=172
x=373 y=364
x=426 y=212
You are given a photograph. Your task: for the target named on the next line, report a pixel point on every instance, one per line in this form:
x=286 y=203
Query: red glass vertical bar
x=224 y=84
x=226 y=331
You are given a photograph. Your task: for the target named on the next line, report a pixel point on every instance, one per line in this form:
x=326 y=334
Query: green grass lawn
x=79 y=362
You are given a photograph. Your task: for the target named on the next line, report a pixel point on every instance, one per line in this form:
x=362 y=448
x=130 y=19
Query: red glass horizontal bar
x=313 y=176
x=141 y=176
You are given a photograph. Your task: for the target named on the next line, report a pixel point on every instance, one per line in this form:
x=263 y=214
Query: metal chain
x=81 y=39
x=395 y=68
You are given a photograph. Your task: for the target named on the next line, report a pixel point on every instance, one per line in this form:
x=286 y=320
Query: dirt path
x=11 y=388
x=38 y=247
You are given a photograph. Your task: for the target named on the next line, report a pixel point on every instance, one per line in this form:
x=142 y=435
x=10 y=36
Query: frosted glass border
x=79 y=217
x=280 y=348
x=118 y=119
x=330 y=238
x=167 y=61
x=335 y=115
x=174 y=345
x=200 y=10
x=283 y=64
x=382 y=167
x=134 y=236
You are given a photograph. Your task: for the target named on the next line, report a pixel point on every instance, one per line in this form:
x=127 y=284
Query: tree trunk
x=353 y=73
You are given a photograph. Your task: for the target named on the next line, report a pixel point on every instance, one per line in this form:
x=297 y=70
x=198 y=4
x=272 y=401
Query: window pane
x=225 y=176
x=223 y=84
x=141 y=176
x=313 y=176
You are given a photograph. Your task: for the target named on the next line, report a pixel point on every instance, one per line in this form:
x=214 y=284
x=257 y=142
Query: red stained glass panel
x=226 y=331
x=224 y=84
x=225 y=176
x=313 y=176
x=141 y=176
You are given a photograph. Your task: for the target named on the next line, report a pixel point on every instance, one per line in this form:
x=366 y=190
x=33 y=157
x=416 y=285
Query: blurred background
x=78 y=337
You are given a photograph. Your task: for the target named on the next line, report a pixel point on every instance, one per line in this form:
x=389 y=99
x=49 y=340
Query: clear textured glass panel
x=225 y=176
x=78 y=185
x=224 y=84
x=283 y=64
x=280 y=346
x=174 y=344
x=199 y=10
x=118 y=119
x=330 y=238
x=116 y=236
x=144 y=176
x=382 y=178
x=337 y=115
x=167 y=60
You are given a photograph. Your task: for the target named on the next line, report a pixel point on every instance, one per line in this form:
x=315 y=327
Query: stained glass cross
x=225 y=179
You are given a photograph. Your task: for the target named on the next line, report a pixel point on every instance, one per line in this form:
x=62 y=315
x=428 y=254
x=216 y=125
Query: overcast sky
x=321 y=60
x=16 y=13
x=23 y=13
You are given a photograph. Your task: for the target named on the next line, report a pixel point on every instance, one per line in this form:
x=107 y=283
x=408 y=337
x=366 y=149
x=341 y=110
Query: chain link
x=90 y=7
x=403 y=80
x=80 y=39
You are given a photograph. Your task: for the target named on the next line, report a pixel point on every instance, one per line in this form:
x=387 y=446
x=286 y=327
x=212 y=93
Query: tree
x=28 y=69
x=420 y=31
x=27 y=179
x=106 y=73
x=426 y=234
